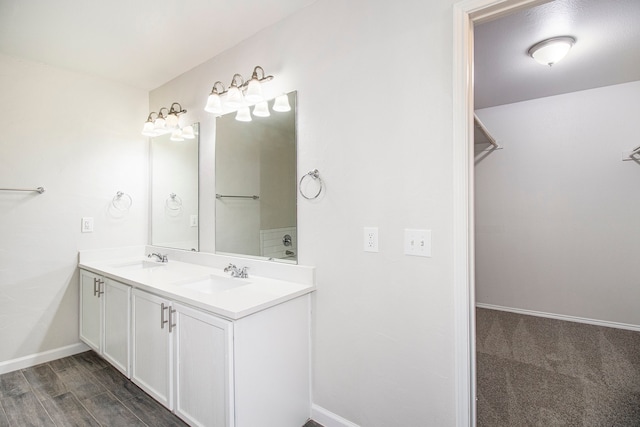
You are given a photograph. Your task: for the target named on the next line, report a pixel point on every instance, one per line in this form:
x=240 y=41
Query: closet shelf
x=481 y=135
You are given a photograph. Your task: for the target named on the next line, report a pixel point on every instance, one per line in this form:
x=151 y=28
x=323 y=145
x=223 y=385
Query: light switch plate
x=193 y=220
x=417 y=242
x=87 y=224
x=371 y=239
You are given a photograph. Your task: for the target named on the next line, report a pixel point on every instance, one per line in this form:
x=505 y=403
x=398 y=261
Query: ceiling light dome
x=550 y=51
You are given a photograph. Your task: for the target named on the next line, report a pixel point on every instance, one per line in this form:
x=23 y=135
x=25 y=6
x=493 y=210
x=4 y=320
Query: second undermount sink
x=213 y=284
x=139 y=265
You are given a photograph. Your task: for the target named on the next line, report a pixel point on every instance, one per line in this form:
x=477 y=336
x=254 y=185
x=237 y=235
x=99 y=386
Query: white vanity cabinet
x=105 y=318
x=181 y=357
x=203 y=358
x=151 y=347
x=237 y=357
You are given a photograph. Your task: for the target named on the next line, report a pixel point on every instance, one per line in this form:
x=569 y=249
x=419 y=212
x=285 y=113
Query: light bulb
x=214 y=104
x=261 y=109
x=148 y=129
x=254 y=91
x=172 y=120
x=159 y=123
x=234 y=98
x=243 y=115
x=281 y=104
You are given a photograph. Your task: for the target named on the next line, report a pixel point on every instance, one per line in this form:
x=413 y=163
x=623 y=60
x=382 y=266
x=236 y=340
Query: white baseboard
x=595 y=322
x=328 y=418
x=44 y=357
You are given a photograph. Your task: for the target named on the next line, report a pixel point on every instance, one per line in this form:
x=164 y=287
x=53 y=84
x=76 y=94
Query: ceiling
x=141 y=43
x=607 y=50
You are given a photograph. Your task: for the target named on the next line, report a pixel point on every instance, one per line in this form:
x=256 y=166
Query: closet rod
x=491 y=139
x=39 y=189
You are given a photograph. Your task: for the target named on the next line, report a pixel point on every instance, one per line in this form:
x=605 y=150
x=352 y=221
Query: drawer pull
x=162 y=321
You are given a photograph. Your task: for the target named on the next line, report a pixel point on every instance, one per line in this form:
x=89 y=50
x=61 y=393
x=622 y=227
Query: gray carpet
x=534 y=371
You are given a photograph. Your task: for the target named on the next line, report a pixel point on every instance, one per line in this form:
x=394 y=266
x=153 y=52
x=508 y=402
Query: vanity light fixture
x=240 y=96
x=164 y=121
x=550 y=51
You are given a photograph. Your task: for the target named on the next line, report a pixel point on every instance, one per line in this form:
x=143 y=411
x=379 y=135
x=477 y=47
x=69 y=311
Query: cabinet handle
x=162 y=309
x=171 y=324
x=95 y=286
x=100 y=291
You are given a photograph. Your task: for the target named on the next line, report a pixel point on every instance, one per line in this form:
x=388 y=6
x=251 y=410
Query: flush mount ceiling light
x=550 y=51
x=166 y=120
x=240 y=96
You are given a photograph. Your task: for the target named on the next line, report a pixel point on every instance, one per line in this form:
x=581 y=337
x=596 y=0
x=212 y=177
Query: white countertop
x=167 y=280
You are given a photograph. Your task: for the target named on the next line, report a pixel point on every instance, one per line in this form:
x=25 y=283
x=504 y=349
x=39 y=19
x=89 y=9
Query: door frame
x=466 y=13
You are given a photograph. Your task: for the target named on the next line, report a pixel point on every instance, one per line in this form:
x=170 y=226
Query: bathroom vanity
x=216 y=350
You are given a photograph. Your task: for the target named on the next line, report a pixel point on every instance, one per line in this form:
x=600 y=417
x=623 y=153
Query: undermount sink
x=139 y=265
x=212 y=284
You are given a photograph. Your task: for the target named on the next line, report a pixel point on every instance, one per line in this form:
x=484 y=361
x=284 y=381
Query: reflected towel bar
x=39 y=189
x=220 y=196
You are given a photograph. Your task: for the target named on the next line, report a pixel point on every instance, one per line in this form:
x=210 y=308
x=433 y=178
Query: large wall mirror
x=255 y=212
x=174 y=191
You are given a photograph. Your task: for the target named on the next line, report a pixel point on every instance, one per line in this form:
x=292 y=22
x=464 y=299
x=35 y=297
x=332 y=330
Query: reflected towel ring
x=122 y=201
x=315 y=174
x=174 y=202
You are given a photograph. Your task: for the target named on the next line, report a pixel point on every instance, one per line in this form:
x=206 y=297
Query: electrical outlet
x=87 y=225
x=193 y=220
x=371 y=239
x=417 y=242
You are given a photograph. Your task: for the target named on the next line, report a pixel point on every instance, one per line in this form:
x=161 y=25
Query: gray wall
x=557 y=210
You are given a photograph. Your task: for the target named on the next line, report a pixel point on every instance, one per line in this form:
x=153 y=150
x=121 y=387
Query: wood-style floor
x=80 y=390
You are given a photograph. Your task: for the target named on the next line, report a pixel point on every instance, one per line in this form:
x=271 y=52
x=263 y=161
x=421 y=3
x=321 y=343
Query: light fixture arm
x=180 y=110
x=260 y=79
x=234 y=83
x=214 y=89
x=150 y=118
x=161 y=115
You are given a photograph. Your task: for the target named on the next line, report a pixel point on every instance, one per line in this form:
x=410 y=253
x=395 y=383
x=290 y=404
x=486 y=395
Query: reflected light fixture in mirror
x=261 y=109
x=240 y=95
x=550 y=51
x=173 y=185
x=281 y=104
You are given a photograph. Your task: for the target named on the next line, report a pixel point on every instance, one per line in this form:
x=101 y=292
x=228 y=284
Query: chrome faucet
x=237 y=272
x=161 y=258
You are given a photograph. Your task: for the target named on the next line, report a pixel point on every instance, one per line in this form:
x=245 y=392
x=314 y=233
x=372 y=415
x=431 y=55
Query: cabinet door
x=117 y=324
x=91 y=309
x=203 y=363
x=151 y=367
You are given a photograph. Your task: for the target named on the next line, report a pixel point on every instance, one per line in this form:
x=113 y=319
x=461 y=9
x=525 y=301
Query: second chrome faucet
x=237 y=272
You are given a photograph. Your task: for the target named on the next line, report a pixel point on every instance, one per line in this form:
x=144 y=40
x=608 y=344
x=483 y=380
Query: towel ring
x=315 y=174
x=174 y=202
x=122 y=201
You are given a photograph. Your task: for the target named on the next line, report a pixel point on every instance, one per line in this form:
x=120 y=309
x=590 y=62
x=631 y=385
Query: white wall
x=79 y=137
x=374 y=116
x=557 y=210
